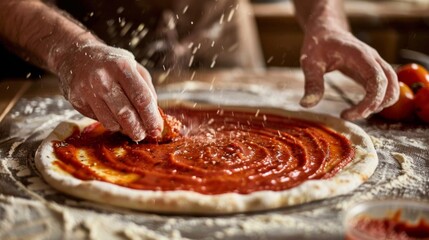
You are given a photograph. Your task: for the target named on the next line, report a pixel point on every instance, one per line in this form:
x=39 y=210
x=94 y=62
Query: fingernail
x=309 y=100
x=139 y=136
x=113 y=127
x=378 y=110
x=156 y=133
x=366 y=114
x=349 y=115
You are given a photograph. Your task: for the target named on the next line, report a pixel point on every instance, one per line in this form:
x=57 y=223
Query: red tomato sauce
x=218 y=151
x=392 y=228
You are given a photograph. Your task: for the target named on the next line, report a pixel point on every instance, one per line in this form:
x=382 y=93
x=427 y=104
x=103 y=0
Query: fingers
x=142 y=97
x=110 y=104
x=146 y=76
x=102 y=112
x=392 y=90
x=368 y=72
x=81 y=106
x=119 y=93
x=339 y=50
x=314 y=84
x=365 y=67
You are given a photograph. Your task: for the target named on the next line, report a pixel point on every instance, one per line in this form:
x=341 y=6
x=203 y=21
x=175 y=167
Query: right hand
x=329 y=48
x=107 y=84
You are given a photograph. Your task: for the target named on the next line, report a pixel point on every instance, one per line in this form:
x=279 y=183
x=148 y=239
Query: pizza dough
x=346 y=180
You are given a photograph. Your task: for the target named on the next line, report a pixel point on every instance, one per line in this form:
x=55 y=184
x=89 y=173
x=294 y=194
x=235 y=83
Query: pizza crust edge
x=187 y=202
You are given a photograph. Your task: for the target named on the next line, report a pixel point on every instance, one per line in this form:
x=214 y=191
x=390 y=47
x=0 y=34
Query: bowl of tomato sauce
x=387 y=219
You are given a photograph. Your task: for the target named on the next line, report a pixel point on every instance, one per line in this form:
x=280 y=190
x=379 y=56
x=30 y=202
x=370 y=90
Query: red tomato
x=414 y=75
x=403 y=109
x=421 y=101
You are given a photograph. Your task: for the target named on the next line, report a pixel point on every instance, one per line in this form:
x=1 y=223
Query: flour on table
x=407 y=178
x=389 y=143
x=45 y=214
x=378 y=142
x=413 y=142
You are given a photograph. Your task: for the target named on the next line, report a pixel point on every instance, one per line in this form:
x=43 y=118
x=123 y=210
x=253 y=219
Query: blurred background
x=397 y=29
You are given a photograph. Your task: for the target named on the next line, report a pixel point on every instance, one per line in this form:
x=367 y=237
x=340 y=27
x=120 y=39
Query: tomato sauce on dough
x=217 y=151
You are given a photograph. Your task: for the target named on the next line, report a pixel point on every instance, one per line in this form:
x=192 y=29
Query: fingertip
x=392 y=95
x=156 y=133
x=310 y=100
x=314 y=83
x=137 y=136
x=392 y=88
x=159 y=126
x=350 y=115
x=114 y=127
x=155 y=123
x=389 y=102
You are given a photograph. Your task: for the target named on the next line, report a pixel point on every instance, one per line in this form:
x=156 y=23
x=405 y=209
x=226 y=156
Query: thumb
x=314 y=83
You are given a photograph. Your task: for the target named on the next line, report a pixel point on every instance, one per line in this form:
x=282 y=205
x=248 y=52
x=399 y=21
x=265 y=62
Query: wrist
x=321 y=15
x=326 y=27
x=63 y=50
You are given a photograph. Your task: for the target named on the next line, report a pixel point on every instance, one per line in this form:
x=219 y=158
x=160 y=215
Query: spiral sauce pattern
x=220 y=151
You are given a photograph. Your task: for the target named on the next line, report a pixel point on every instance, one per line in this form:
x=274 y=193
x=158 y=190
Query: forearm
x=320 y=13
x=39 y=33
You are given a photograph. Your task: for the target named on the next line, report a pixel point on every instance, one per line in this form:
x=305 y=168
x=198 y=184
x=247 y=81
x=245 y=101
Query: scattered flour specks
x=378 y=142
x=14 y=146
x=406 y=163
x=382 y=143
x=407 y=178
x=394 y=140
x=413 y=142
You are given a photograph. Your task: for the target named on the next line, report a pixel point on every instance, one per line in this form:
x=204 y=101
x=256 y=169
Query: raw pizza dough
x=350 y=177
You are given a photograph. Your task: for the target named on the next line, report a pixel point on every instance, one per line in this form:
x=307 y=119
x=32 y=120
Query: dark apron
x=172 y=33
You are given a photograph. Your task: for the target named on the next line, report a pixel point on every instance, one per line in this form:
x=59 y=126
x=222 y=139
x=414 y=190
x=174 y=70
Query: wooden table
x=30 y=208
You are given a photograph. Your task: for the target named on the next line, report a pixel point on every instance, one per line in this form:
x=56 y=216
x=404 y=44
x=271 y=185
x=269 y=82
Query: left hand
x=326 y=49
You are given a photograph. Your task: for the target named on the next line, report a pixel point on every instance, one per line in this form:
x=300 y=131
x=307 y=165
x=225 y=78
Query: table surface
x=31 y=209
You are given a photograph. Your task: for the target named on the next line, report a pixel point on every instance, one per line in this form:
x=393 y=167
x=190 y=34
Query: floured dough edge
x=187 y=202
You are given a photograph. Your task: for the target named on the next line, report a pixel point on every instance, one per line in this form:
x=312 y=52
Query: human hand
x=327 y=49
x=107 y=84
